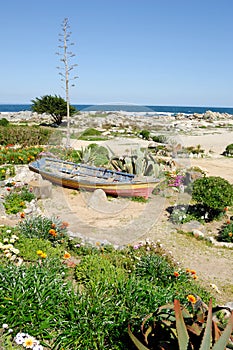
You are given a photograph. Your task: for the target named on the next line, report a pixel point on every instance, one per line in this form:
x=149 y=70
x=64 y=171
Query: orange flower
x=22 y=215
x=43 y=255
x=66 y=255
x=230 y=234
x=195 y=277
x=193 y=272
x=64 y=225
x=188 y=270
x=228 y=221
x=191 y=298
x=176 y=274
x=225 y=209
x=52 y=232
x=53 y=225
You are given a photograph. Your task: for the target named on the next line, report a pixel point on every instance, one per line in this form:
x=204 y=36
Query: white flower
x=5 y=240
x=29 y=342
x=12 y=240
x=8 y=231
x=38 y=347
x=14 y=237
x=19 y=338
x=13 y=257
x=10 y=330
x=5 y=325
x=8 y=255
x=15 y=251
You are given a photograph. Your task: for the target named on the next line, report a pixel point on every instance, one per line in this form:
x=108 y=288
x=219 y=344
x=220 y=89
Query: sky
x=147 y=52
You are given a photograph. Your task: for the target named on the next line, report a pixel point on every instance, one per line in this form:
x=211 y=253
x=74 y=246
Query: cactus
x=173 y=327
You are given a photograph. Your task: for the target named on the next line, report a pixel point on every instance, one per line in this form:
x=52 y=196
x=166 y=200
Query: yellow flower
x=191 y=298
x=43 y=255
x=39 y=252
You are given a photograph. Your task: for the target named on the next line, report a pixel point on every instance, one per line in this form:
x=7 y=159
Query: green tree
x=54 y=105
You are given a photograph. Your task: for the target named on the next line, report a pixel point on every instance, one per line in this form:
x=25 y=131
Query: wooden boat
x=89 y=178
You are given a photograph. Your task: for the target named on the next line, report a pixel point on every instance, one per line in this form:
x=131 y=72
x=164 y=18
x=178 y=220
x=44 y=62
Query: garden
x=59 y=292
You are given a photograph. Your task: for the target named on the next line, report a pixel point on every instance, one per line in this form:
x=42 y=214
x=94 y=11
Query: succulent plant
x=174 y=327
x=139 y=163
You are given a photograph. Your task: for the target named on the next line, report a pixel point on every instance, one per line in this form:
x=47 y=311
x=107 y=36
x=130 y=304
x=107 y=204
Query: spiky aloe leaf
x=224 y=339
x=206 y=340
x=136 y=342
x=182 y=334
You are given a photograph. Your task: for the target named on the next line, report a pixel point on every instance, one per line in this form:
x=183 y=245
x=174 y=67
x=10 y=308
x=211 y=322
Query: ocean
x=128 y=108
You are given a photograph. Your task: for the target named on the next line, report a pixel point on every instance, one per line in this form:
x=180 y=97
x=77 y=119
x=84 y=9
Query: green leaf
x=224 y=339
x=206 y=341
x=136 y=342
x=182 y=333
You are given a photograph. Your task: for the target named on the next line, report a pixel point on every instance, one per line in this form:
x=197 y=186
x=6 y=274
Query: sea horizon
x=162 y=109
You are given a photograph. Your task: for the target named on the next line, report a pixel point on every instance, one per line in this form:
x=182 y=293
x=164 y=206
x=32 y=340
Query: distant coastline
x=161 y=110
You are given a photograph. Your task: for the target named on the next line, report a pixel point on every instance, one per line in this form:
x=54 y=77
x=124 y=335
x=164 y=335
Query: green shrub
x=160 y=138
x=229 y=150
x=214 y=193
x=4 y=122
x=24 y=135
x=145 y=134
x=91 y=134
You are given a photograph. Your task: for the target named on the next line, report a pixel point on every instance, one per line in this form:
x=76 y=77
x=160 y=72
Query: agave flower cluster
x=9 y=250
x=27 y=341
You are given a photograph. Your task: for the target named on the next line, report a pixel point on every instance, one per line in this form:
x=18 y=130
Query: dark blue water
x=127 y=108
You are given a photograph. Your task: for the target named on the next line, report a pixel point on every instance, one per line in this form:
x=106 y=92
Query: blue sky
x=149 y=52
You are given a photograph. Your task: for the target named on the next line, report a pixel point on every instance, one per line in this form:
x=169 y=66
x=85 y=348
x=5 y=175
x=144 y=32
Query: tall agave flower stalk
x=173 y=327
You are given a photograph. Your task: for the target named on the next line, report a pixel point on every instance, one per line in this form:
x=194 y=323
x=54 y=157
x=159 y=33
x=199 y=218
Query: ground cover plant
x=18 y=155
x=6 y=171
x=16 y=199
x=226 y=232
x=24 y=135
x=74 y=295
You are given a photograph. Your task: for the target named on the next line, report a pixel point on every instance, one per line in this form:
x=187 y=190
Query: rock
x=97 y=199
x=41 y=189
x=24 y=175
x=192 y=225
x=198 y=233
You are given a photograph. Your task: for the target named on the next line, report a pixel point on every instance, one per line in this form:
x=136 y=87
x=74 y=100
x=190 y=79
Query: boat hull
x=128 y=188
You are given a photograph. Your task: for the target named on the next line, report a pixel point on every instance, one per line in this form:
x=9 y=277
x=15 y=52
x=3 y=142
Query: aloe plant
x=174 y=327
x=139 y=163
